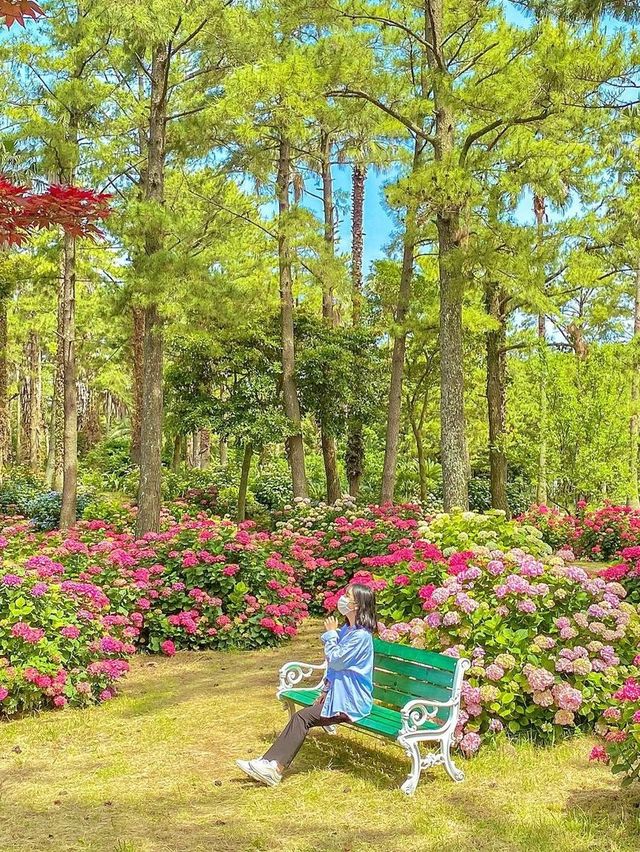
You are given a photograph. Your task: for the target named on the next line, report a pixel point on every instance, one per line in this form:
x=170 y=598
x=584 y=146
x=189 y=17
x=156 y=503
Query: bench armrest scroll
x=291 y=674
x=420 y=710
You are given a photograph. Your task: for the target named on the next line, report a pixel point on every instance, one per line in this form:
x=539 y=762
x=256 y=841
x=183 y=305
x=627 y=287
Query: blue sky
x=378 y=225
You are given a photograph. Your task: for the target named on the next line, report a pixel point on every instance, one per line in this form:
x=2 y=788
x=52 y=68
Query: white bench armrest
x=291 y=674
x=420 y=710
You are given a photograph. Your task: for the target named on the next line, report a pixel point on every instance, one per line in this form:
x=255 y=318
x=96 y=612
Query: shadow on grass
x=379 y=760
x=162 y=684
x=247 y=820
x=605 y=806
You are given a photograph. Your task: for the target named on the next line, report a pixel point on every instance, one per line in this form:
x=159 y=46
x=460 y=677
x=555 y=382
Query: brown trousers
x=290 y=740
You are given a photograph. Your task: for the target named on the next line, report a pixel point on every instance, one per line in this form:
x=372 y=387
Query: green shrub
x=112 y=509
x=19 y=486
x=44 y=510
x=108 y=466
x=272 y=486
x=459 y=530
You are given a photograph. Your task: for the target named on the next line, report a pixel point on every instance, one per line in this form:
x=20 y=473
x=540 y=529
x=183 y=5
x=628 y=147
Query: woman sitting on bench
x=347 y=694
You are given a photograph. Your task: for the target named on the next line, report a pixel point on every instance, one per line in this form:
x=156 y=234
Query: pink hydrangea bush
x=620 y=728
x=60 y=643
x=326 y=547
x=200 y=583
x=549 y=645
x=627 y=573
x=598 y=534
x=558 y=528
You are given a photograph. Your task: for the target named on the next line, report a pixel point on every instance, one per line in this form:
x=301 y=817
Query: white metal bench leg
x=455 y=773
x=412 y=749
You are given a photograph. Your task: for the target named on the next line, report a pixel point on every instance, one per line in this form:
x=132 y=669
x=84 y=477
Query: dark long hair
x=365 y=601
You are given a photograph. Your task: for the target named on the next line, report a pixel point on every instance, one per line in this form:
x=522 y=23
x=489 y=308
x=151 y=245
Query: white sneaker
x=264 y=771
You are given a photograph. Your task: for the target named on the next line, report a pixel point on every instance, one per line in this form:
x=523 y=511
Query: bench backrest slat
x=417 y=655
x=426 y=673
x=402 y=672
x=409 y=687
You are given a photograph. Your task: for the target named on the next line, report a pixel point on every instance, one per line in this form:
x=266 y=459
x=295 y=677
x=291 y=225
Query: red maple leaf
x=22 y=212
x=15 y=11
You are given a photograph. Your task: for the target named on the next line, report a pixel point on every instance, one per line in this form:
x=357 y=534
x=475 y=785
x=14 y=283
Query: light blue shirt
x=349 y=653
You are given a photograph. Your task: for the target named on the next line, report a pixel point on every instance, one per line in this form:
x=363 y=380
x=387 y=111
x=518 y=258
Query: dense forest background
x=389 y=248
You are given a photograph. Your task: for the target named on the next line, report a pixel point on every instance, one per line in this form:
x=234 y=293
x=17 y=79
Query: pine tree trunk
x=328 y=441
x=452 y=417
x=176 y=459
x=4 y=385
x=51 y=451
x=635 y=399
x=196 y=449
x=70 y=432
x=32 y=411
x=137 y=376
x=57 y=412
x=244 y=483
x=354 y=456
x=422 y=467
x=149 y=493
x=358 y=177
x=541 y=491
x=205 y=448
x=496 y=396
x=295 y=446
x=19 y=416
x=394 y=407
x=451 y=238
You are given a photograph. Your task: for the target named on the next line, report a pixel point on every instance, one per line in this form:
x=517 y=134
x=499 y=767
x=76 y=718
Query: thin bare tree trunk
x=394 y=408
x=19 y=426
x=137 y=375
x=244 y=482
x=358 y=178
x=635 y=399
x=295 y=446
x=51 y=450
x=422 y=467
x=205 y=448
x=328 y=441
x=176 y=459
x=354 y=456
x=70 y=453
x=496 y=396
x=541 y=490
x=195 y=438
x=4 y=385
x=31 y=410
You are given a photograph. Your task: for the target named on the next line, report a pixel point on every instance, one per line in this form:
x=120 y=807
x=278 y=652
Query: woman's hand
x=331 y=623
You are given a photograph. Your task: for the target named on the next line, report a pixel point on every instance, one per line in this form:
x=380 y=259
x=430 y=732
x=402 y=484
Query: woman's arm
x=341 y=654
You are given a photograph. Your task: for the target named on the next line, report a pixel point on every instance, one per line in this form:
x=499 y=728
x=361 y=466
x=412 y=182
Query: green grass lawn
x=154 y=770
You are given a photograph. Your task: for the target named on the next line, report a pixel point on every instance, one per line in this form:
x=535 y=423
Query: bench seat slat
x=418 y=655
x=382 y=720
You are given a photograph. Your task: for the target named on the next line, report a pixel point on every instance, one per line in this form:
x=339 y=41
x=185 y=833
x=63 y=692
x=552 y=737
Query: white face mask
x=343 y=605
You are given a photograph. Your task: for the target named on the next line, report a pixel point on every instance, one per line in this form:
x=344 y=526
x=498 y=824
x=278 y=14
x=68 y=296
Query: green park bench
x=416 y=700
